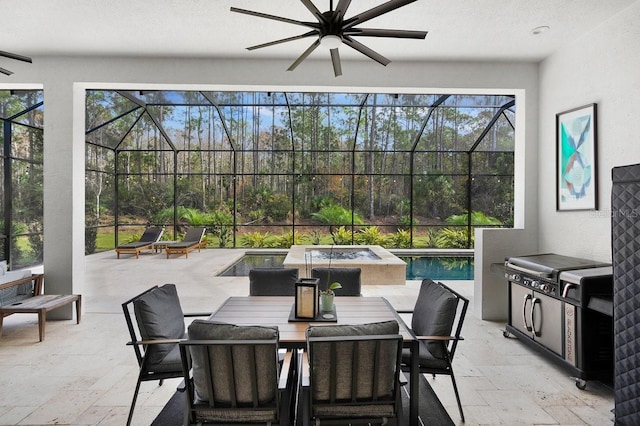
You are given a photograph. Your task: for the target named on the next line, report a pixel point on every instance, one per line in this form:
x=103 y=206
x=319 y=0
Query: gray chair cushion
x=433 y=315
x=349 y=278
x=273 y=281
x=159 y=316
x=320 y=359
x=380 y=328
x=266 y=362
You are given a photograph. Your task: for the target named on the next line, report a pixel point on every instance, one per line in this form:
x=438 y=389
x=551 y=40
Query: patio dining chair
x=273 y=281
x=349 y=278
x=159 y=326
x=150 y=235
x=232 y=375
x=436 y=321
x=192 y=240
x=351 y=374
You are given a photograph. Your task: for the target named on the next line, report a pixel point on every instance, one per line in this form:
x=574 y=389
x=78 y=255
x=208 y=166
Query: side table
x=41 y=305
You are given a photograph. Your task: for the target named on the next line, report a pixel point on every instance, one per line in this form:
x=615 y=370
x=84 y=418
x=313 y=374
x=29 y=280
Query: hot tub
x=378 y=265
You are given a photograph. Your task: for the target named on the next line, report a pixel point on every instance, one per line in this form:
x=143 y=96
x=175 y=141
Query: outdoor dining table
x=276 y=310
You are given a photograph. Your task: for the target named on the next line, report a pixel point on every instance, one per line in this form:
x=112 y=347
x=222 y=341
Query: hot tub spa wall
x=388 y=270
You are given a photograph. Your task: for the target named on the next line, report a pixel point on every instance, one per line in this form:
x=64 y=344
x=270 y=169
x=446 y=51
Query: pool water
x=439 y=268
x=418 y=267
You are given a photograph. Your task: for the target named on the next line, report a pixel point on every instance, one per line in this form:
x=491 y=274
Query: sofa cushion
x=16 y=293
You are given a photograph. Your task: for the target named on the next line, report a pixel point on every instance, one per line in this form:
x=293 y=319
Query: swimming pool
x=418 y=267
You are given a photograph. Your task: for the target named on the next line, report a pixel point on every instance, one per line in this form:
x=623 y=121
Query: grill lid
x=548 y=265
x=577 y=276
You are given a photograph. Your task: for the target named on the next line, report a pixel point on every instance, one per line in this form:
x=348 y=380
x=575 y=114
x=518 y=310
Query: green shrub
x=221 y=226
x=335 y=215
x=287 y=240
x=255 y=239
x=277 y=207
x=401 y=239
x=342 y=236
x=404 y=222
x=477 y=219
x=451 y=238
x=370 y=235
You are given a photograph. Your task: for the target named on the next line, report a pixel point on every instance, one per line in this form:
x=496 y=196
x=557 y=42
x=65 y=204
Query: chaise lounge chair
x=151 y=235
x=191 y=241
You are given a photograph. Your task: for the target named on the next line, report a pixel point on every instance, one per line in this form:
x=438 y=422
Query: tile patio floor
x=85 y=374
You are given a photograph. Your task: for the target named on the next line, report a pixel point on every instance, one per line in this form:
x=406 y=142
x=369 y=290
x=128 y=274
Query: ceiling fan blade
x=14 y=56
x=376 y=11
x=284 y=40
x=335 y=59
x=375 y=32
x=341 y=9
x=365 y=50
x=275 y=18
x=5 y=71
x=314 y=10
x=304 y=55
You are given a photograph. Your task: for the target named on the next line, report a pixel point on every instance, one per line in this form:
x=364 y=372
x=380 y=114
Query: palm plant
x=334 y=215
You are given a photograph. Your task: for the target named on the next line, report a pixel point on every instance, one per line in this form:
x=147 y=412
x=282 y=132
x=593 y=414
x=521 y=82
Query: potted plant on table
x=326 y=296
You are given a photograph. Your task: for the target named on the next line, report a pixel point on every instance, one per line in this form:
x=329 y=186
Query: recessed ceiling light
x=540 y=30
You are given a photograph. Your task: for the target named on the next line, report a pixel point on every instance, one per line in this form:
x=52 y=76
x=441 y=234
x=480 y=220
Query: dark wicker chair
x=437 y=321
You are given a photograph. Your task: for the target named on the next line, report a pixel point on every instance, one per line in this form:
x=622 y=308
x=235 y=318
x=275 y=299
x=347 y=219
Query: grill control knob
x=545 y=288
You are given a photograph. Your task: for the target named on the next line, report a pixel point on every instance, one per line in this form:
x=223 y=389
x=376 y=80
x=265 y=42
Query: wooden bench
x=35 y=302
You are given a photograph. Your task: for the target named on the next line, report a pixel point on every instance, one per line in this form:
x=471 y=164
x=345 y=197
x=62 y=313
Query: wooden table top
x=275 y=310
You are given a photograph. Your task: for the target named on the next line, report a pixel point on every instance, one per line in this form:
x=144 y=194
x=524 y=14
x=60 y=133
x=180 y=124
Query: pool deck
x=84 y=374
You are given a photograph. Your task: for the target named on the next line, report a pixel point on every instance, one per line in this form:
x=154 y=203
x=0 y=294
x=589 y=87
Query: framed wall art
x=576 y=171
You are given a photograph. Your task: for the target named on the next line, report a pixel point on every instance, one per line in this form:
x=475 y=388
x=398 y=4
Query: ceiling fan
x=12 y=56
x=333 y=29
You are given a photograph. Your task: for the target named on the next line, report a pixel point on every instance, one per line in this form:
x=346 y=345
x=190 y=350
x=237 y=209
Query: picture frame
x=576 y=159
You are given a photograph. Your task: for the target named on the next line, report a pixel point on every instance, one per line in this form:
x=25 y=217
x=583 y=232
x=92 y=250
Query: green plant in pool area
x=477 y=219
x=404 y=222
x=287 y=240
x=334 y=215
x=255 y=239
x=315 y=238
x=401 y=239
x=370 y=235
x=342 y=236
x=451 y=238
x=221 y=226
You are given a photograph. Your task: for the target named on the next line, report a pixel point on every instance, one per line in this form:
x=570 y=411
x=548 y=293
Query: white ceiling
x=458 y=29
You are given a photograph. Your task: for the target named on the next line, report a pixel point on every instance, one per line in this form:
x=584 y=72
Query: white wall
x=65 y=78
x=601 y=67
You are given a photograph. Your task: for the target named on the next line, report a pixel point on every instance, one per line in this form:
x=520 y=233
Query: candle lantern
x=307 y=298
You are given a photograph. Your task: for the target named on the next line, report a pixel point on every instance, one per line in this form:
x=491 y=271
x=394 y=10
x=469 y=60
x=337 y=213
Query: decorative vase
x=326 y=302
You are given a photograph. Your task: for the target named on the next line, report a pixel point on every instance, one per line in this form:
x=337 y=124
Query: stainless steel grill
x=562 y=306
